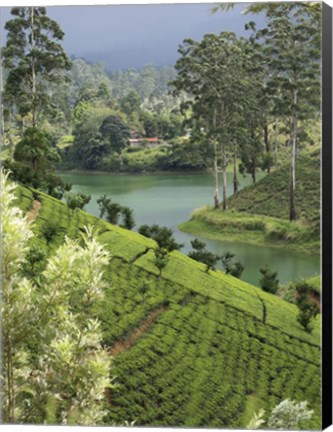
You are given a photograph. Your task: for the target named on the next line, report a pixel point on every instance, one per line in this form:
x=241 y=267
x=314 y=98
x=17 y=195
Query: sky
x=130 y=36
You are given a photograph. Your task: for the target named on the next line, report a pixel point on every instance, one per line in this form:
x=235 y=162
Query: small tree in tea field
x=308 y=309
x=202 y=255
x=128 y=218
x=161 y=259
x=77 y=200
x=162 y=235
x=269 y=281
x=233 y=268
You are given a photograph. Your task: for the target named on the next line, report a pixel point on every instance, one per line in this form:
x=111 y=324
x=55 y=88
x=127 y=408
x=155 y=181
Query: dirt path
x=33 y=213
x=121 y=346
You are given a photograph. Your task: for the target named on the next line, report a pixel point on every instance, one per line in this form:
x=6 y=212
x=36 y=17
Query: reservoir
x=169 y=199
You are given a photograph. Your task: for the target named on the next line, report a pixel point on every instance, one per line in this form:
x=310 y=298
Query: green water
x=169 y=199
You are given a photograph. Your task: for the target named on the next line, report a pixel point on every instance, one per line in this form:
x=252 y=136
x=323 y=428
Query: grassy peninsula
x=258 y=213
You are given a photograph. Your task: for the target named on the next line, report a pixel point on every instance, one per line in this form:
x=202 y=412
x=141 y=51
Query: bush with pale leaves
x=54 y=368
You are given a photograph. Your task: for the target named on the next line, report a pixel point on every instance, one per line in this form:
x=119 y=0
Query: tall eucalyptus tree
x=33 y=58
x=213 y=72
x=292 y=39
x=34 y=61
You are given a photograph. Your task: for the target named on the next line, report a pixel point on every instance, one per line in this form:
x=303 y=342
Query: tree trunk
x=254 y=166
x=215 y=169
x=33 y=69
x=254 y=161
x=292 y=214
x=276 y=144
x=216 y=182
x=267 y=144
x=235 y=180
x=224 y=177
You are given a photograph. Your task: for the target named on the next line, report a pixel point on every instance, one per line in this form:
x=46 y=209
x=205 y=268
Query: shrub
x=77 y=200
x=202 y=255
x=111 y=209
x=198 y=245
x=269 y=281
x=45 y=318
x=233 y=268
x=35 y=259
x=49 y=231
x=288 y=415
x=114 y=211
x=308 y=309
x=128 y=218
x=162 y=235
x=161 y=259
x=206 y=257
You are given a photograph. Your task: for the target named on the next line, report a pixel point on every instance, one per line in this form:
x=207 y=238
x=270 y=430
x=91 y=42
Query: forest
x=152 y=222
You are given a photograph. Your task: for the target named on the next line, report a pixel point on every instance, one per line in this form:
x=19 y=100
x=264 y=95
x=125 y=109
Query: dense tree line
x=232 y=101
x=241 y=86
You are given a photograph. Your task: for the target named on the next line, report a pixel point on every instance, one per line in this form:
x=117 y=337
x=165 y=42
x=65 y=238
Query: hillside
x=270 y=196
x=190 y=348
x=259 y=213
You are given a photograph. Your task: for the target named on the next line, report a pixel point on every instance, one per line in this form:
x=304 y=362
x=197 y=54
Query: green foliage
x=315 y=283
x=34 y=163
x=162 y=235
x=130 y=103
x=308 y=309
x=292 y=45
x=65 y=383
x=128 y=218
x=202 y=255
x=115 y=133
x=50 y=230
x=114 y=211
x=33 y=58
x=269 y=198
x=161 y=259
x=35 y=259
x=209 y=328
x=77 y=200
x=289 y=415
x=198 y=245
x=233 y=268
x=267 y=161
x=111 y=209
x=270 y=195
x=269 y=281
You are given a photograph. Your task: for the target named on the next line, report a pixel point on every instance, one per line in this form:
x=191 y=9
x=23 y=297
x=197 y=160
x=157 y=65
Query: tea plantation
x=217 y=348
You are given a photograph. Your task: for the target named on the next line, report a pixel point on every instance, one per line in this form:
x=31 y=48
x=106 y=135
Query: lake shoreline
x=127 y=173
x=169 y=200
x=223 y=228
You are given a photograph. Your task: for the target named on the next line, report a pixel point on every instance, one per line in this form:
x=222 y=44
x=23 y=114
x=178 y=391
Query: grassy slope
x=208 y=359
x=270 y=196
x=315 y=282
x=259 y=213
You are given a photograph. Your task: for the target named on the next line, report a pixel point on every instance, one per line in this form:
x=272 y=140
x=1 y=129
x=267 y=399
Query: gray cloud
x=125 y=36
